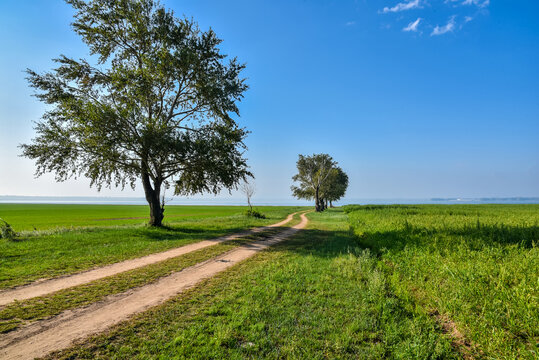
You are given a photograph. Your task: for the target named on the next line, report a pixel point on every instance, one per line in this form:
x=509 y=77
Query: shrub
x=6 y=231
x=255 y=214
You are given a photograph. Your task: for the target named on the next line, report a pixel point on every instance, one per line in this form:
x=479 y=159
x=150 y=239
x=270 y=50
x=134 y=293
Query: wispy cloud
x=412 y=4
x=467 y=19
x=350 y=23
x=449 y=27
x=412 y=26
x=480 y=3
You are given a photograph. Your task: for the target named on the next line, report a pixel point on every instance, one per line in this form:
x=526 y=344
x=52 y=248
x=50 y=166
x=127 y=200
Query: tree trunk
x=331 y=204
x=326 y=204
x=152 y=197
x=317 y=201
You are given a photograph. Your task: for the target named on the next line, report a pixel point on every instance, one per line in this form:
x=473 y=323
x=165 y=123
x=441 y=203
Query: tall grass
x=476 y=265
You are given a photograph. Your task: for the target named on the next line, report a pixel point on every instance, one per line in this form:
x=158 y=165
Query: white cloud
x=350 y=23
x=413 y=25
x=480 y=3
x=449 y=27
x=467 y=19
x=412 y=4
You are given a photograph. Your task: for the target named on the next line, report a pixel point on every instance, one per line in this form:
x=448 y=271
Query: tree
x=336 y=185
x=156 y=106
x=313 y=172
x=248 y=190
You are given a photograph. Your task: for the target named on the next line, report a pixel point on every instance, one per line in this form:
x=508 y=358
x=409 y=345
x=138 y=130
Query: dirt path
x=44 y=287
x=43 y=337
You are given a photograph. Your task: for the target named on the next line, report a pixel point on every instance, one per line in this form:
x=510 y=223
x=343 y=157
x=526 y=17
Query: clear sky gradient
x=414 y=99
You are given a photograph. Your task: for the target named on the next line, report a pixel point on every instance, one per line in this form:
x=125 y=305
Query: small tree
x=155 y=107
x=313 y=172
x=248 y=190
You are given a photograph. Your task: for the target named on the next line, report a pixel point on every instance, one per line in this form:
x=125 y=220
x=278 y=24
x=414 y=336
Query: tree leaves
x=319 y=176
x=158 y=100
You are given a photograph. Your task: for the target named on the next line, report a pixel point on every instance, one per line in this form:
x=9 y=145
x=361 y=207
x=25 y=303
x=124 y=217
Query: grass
x=476 y=267
x=316 y=296
x=50 y=253
x=369 y=282
x=31 y=217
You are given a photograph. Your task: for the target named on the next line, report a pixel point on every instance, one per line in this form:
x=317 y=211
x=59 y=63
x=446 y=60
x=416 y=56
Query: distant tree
x=155 y=107
x=313 y=172
x=336 y=185
x=248 y=190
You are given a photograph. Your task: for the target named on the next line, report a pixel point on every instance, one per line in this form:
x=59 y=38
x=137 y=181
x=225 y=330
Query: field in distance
x=24 y=217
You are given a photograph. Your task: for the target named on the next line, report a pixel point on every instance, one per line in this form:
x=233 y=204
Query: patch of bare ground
x=43 y=337
x=466 y=348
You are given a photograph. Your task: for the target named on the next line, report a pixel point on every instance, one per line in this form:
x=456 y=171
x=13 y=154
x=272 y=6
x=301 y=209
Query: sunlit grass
x=315 y=296
x=477 y=265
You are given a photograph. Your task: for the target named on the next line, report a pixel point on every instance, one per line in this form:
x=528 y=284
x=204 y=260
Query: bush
x=6 y=231
x=255 y=214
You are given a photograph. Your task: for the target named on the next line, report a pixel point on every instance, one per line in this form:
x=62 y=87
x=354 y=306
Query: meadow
x=317 y=295
x=369 y=282
x=72 y=238
x=474 y=268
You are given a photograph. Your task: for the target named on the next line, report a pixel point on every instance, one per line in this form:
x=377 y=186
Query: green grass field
x=315 y=296
x=368 y=282
x=29 y=217
x=73 y=244
x=473 y=267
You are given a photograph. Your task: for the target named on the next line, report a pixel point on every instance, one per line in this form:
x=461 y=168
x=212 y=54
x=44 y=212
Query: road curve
x=43 y=337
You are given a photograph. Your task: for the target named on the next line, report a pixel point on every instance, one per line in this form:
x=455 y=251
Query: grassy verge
x=19 y=313
x=57 y=252
x=32 y=217
x=473 y=268
x=315 y=296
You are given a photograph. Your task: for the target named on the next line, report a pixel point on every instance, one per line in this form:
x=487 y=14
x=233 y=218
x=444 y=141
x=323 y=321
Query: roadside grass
x=317 y=295
x=52 y=253
x=39 y=217
x=20 y=313
x=476 y=267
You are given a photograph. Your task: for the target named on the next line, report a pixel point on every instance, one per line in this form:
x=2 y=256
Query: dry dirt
x=44 y=287
x=43 y=337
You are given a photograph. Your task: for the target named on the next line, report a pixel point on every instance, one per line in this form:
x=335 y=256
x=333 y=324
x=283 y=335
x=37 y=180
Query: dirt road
x=44 y=287
x=46 y=336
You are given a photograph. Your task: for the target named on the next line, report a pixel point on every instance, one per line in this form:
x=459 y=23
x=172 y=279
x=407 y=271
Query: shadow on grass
x=321 y=243
x=475 y=237
x=326 y=244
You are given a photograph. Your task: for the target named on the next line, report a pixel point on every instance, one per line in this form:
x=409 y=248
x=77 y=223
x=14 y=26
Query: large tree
x=155 y=105
x=313 y=172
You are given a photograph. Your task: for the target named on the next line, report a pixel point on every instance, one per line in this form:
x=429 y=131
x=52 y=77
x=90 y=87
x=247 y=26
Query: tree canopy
x=320 y=179
x=312 y=176
x=156 y=105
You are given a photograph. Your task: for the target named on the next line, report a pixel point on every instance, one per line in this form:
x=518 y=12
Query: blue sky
x=414 y=99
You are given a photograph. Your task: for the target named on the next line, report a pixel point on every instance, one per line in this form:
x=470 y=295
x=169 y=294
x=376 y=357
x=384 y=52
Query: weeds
x=6 y=231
